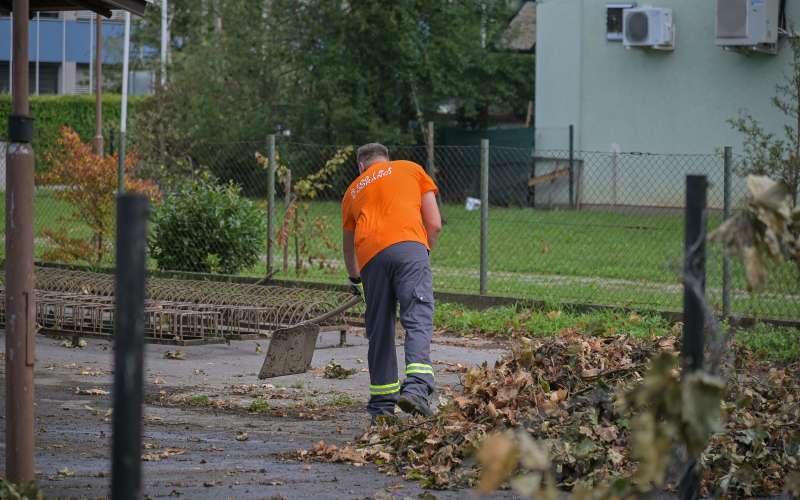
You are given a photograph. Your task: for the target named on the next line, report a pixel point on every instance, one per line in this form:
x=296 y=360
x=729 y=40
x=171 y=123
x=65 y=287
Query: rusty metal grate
x=179 y=311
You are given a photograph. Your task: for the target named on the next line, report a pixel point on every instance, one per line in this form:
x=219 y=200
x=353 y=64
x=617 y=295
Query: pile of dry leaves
x=564 y=394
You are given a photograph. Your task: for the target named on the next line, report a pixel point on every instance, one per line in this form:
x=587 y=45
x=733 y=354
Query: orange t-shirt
x=384 y=206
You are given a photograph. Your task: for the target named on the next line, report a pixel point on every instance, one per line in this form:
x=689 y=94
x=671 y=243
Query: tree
x=766 y=153
x=371 y=68
x=333 y=72
x=87 y=182
x=223 y=85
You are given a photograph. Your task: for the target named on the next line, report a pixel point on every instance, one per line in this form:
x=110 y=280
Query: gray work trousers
x=400 y=274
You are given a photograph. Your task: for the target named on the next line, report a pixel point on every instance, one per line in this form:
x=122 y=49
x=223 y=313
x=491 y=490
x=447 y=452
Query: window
x=49 y=15
x=614 y=19
x=48 y=77
x=82 y=78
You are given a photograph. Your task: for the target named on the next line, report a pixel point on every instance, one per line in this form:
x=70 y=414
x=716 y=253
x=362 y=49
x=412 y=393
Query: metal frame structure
x=20 y=299
x=176 y=311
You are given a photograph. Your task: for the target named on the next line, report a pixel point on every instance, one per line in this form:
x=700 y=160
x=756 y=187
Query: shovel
x=291 y=349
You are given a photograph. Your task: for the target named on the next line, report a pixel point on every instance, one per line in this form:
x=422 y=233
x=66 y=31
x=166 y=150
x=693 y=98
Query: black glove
x=355 y=287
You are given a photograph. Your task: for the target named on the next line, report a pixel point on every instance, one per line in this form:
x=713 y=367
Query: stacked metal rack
x=176 y=310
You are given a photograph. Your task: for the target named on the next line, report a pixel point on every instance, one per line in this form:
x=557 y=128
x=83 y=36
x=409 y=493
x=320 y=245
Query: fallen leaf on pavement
x=66 y=472
x=90 y=392
x=68 y=343
x=335 y=370
x=242 y=436
x=161 y=455
x=94 y=411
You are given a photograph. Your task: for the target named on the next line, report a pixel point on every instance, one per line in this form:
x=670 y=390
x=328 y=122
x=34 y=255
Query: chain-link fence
x=586 y=227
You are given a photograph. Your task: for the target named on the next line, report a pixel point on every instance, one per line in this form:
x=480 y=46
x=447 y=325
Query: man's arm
x=431 y=218
x=349 y=250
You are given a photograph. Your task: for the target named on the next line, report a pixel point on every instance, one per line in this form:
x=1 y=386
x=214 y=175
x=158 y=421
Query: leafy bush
x=207 y=227
x=88 y=182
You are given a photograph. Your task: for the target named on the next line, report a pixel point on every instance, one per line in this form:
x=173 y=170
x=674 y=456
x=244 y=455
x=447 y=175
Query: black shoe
x=415 y=405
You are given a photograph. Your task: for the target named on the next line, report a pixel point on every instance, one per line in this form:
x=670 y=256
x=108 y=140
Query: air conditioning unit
x=748 y=25
x=650 y=27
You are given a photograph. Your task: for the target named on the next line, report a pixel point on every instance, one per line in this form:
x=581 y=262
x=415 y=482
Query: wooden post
x=20 y=298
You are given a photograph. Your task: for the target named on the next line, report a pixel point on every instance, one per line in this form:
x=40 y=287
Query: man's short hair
x=368 y=153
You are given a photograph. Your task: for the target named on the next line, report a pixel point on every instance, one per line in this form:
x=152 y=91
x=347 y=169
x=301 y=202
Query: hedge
x=77 y=111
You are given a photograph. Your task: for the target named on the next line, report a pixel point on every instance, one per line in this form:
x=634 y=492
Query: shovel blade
x=290 y=351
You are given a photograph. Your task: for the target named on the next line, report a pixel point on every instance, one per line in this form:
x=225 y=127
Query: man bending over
x=391 y=222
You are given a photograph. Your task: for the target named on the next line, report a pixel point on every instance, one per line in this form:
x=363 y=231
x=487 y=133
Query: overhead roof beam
x=102 y=7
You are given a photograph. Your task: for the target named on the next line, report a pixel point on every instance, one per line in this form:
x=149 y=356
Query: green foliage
x=200 y=400
x=24 y=491
x=77 y=112
x=259 y=405
x=332 y=72
x=517 y=321
x=765 y=152
x=298 y=225
x=207 y=227
x=772 y=342
x=342 y=399
x=88 y=182
x=371 y=68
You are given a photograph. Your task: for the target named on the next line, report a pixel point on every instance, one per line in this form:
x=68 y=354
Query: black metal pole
x=111 y=141
x=694 y=279
x=571 y=166
x=726 y=213
x=126 y=471
x=694 y=270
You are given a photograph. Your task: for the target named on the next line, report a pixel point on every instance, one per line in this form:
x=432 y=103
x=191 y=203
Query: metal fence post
x=726 y=213
x=111 y=141
x=695 y=269
x=571 y=166
x=484 y=216
x=270 y=200
x=20 y=299
x=430 y=167
x=429 y=149
x=287 y=200
x=694 y=278
x=126 y=468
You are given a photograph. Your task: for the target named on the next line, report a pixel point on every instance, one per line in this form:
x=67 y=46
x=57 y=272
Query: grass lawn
x=595 y=257
x=773 y=343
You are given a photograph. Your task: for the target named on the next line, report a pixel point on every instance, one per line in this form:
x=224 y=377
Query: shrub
x=75 y=111
x=88 y=182
x=207 y=227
